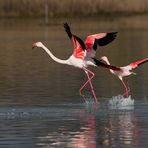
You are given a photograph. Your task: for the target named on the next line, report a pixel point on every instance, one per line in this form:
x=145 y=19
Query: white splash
x=121 y=102
x=90 y=104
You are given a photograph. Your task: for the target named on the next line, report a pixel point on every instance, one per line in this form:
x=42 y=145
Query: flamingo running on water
x=124 y=72
x=83 y=54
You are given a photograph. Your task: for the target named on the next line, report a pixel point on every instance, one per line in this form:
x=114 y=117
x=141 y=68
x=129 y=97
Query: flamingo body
x=125 y=71
x=79 y=62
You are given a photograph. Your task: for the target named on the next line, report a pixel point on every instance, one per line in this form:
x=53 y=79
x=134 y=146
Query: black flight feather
x=99 y=63
x=80 y=42
x=105 y=40
x=68 y=31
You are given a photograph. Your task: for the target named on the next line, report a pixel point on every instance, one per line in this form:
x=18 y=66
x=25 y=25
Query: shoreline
x=139 y=21
x=67 y=8
x=102 y=15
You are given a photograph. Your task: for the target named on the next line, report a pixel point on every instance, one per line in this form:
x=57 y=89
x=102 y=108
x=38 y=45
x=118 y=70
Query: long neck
x=53 y=57
x=107 y=61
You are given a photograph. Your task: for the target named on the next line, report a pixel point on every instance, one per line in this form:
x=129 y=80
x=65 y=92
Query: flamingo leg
x=126 y=94
x=92 y=89
x=89 y=81
x=126 y=82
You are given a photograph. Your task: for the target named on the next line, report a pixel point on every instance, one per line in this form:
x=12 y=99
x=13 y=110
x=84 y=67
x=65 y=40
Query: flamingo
x=90 y=46
x=83 y=57
x=124 y=72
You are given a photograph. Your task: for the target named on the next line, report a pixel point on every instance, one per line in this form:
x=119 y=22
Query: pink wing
x=78 y=50
x=100 y=39
x=79 y=46
x=91 y=39
x=137 y=63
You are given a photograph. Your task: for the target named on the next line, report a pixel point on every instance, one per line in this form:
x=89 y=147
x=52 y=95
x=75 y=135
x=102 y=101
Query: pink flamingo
x=124 y=72
x=83 y=57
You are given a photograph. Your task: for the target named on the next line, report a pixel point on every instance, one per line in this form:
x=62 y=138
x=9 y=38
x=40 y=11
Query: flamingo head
x=104 y=58
x=37 y=44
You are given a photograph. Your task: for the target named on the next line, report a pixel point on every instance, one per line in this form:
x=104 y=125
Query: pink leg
x=89 y=78
x=126 y=94
x=89 y=81
x=92 y=89
x=126 y=81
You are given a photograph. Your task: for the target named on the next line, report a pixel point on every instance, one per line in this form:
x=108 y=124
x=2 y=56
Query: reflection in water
x=69 y=126
x=121 y=129
x=117 y=129
x=85 y=137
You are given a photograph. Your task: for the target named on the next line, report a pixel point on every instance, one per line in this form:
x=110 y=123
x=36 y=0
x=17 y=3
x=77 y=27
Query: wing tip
x=112 y=34
x=65 y=25
x=138 y=63
x=143 y=61
x=67 y=29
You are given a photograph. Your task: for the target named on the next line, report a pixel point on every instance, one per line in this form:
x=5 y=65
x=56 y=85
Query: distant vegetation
x=71 y=7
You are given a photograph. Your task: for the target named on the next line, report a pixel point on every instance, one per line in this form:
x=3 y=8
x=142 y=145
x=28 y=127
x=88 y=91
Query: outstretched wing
x=137 y=63
x=99 y=63
x=100 y=39
x=79 y=46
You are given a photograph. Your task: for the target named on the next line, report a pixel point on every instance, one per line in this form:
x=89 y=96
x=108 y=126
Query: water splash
x=90 y=104
x=51 y=112
x=121 y=102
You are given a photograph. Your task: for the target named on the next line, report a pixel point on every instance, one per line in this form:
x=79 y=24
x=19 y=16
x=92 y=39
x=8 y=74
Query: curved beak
x=33 y=45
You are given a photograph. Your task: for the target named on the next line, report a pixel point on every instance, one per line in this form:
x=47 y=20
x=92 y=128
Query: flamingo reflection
x=87 y=138
x=121 y=130
x=77 y=133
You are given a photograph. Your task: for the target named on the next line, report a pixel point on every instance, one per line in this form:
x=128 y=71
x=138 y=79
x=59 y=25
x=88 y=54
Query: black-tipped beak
x=33 y=45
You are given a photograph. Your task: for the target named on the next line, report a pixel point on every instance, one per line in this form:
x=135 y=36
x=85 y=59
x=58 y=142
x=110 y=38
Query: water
x=40 y=104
